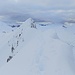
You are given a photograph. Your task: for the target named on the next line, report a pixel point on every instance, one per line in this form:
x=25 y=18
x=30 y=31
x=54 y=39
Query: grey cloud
x=16 y=9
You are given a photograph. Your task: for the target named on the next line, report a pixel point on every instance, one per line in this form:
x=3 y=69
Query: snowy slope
x=4 y=27
x=39 y=52
x=67 y=34
x=14 y=40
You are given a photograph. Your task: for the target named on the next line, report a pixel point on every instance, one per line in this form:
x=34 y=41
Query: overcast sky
x=37 y=8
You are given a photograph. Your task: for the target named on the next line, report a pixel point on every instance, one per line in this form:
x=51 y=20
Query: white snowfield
x=38 y=51
x=4 y=27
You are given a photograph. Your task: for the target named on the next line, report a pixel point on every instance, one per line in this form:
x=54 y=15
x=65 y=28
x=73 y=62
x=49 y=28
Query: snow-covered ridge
x=29 y=23
x=14 y=41
x=67 y=24
x=31 y=51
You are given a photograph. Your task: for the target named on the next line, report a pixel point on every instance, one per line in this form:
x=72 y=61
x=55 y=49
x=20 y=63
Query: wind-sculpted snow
x=38 y=52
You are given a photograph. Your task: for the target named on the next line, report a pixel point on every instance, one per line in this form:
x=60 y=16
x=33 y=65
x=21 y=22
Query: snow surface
x=4 y=27
x=38 y=51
